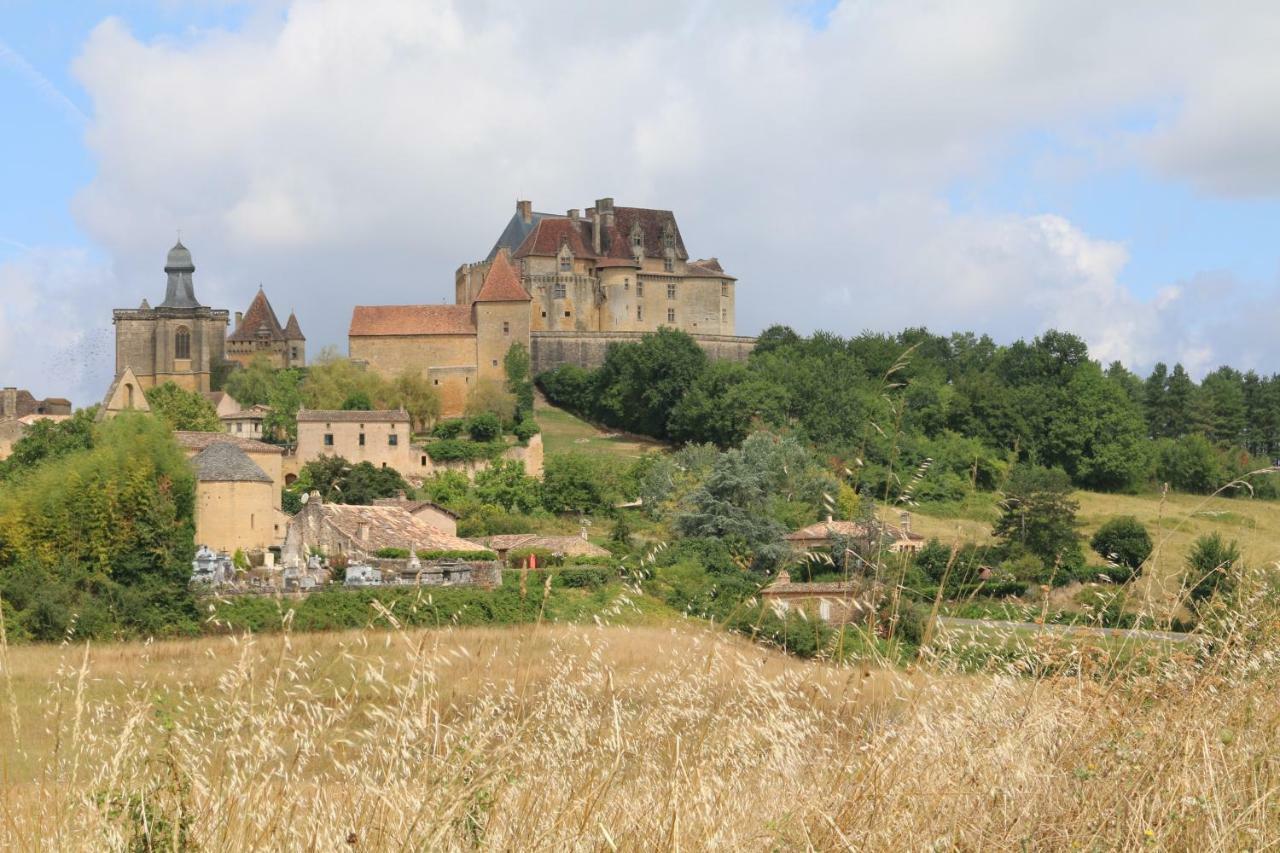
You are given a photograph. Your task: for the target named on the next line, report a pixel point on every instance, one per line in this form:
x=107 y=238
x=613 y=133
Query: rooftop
x=223 y=462
x=502 y=282
x=387 y=527
x=345 y=416
x=201 y=440
x=572 y=546
x=411 y=320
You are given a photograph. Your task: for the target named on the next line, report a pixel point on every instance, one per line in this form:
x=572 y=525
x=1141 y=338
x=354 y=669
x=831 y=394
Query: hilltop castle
x=183 y=342
x=563 y=285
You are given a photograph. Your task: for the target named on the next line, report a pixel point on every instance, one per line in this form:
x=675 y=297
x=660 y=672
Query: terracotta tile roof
x=253 y=413
x=201 y=440
x=258 y=323
x=502 y=282
x=389 y=527
x=617 y=262
x=710 y=268
x=617 y=241
x=411 y=320
x=344 y=416
x=292 y=330
x=551 y=231
x=572 y=546
x=414 y=506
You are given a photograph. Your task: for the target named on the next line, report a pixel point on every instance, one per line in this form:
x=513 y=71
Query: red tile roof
x=259 y=316
x=411 y=320
x=552 y=231
x=201 y=440
x=293 y=331
x=710 y=267
x=392 y=416
x=502 y=282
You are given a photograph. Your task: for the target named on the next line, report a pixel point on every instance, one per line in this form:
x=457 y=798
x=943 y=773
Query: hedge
x=457 y=555
x=461 y=450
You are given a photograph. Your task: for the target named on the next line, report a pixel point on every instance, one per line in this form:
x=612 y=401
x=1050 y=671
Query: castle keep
x=563 y=285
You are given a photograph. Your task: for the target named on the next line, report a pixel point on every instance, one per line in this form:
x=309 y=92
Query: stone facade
x=564 y=286
x=258 y=334
x=19 y=403
x=359 y=532
x=268 y=457
x=235 y=502
x=179 y=341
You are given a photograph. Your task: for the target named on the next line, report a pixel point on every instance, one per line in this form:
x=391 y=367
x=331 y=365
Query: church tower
x=180 y=340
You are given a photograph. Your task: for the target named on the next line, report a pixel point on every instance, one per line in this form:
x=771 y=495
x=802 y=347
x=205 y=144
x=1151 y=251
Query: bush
x=517 y=556
x=1212 y=566
x=485 y=426
x=526 y=430
x=461 y=450
x=474 y=556
x=450 y=428
x=392 y=553
x=1123 y=541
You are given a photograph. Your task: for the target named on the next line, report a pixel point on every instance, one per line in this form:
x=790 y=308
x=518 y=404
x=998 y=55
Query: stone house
x=18 y=403
x=359 y=532
x=247 y=422
x=258 y=333
x=235 y=502
x=818 y=536
x=442 y=519
x=384 y=439
x=179 y=341
x=837 y=603
x=267 y=457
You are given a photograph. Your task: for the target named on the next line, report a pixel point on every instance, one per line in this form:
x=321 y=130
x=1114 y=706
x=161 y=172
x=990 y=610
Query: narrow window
x=639 y=312
x=393 y=440
x=560 y=290
x=671 y=315
x=328 y=439
x=239 y=427
x=626 y=284
x=724 y=288
x=424 y=462
x=639 y=287
x=671 y=291
x=182 y=343
x=566 y=263
x=506 y=327
x=437 y=381
x=667 y=264
x=724 y=315
x=544 y=315
x=494 y=363
x=566 y=313
x=637 y=239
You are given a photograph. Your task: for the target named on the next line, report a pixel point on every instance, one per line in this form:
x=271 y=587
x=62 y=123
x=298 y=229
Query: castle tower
x=258 y=333
x=501 y=316
x=179 y=341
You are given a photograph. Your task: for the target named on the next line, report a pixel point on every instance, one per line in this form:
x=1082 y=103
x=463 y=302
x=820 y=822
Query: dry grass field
x=608 y=738
x=562 y=432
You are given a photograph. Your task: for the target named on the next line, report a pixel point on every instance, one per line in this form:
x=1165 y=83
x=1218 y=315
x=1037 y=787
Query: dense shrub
x=450 y=429
x=461 y=450
x=525 y=430
x=1123 y=541
x=484 y=427
x=475 y=556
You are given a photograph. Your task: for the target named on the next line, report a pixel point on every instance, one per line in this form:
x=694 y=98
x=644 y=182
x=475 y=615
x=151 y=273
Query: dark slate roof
x=223 y=462
x=260 y=317
x=179 y=292
x=515 y=233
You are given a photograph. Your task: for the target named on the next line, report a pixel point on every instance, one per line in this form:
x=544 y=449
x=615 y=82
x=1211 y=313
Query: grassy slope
x=562 y=432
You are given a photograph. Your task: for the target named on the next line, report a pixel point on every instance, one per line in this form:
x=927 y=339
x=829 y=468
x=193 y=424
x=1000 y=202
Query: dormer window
x=668 y=265
x=566 y=263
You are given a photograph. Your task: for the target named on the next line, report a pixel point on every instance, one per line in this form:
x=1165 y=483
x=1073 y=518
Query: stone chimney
x=605 y=206
x=362 y=531
x=315 y=497
x=239 y=318
x=594 y=216
x=9 y=403
x=573 y=214
x=525 y=209
x=783 y=577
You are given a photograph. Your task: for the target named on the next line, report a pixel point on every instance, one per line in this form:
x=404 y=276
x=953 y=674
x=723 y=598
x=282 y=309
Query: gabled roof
x=259 y=322
x=515 y=233
x=387 y=527
x=393 y=416
x=190 y=440
x=292 y=330
x=710 y=268
x=551 y=232
x=223 y=462
x=572 y=546
x=411 y=320
x=502 y=282
x=117 y=397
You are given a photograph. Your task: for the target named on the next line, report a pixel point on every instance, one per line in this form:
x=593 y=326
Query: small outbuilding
x=235 y=504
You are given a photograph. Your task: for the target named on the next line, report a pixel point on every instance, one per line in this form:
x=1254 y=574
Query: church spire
x=180 y=292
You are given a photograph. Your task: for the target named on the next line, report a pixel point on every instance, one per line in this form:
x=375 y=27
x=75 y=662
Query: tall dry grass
x=576 y=738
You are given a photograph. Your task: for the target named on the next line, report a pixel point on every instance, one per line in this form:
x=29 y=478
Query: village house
x=442 y=519
x=235 y=502
x=246 y=422
x=816 y=537
x=223 y=403
x=837 y=603
x=358 y=533
x=268 y=457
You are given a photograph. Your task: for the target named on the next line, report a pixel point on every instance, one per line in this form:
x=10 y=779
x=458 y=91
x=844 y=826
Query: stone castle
x=563 y=285
x=184 y=342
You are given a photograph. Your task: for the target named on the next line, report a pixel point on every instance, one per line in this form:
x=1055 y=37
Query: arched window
x=182 y=343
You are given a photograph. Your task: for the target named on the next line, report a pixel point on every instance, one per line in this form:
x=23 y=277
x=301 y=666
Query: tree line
x=961 y=405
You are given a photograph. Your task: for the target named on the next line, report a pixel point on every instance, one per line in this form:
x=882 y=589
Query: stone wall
x=587 y=349
x=237 y=515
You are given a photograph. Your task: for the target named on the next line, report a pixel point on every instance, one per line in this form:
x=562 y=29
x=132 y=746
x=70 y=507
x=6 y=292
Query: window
x=626 y=284
x=566 y=314
x=671 y=291
x=671 y=315
x=494 y=363
x=566 y=263
x=724 y=288
x=668 y=264
x=724 y=315
x=328 y=439
x=637 y=239
x=506 y=327
x=436 y=381
x=558 y=293
x=424 y=462
x=362 y=439
x=544 y=315
x=393 y=440
x=182 y=343
x=239 y=426
x=639 y=312
x=639 y=287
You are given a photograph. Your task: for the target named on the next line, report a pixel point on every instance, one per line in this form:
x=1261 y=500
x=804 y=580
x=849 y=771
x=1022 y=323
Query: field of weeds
x=562 y=738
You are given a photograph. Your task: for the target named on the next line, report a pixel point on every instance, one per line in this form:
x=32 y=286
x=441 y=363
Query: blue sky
x=1005 y=168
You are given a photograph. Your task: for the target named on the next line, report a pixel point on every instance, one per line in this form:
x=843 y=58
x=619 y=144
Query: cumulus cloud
x=359 y=152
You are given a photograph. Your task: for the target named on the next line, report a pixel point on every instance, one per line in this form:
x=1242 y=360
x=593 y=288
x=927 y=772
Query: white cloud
x=359 y=151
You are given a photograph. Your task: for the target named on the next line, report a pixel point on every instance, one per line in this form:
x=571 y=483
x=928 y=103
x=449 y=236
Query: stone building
x=897 y=539
x=235 y=502
x=247 y=422
x=124 y=395
x=564 y=546
x=258 y=332
x=453 y=346
x=179 y=341
x=268 y=457
x=613 y=269
x=565 y=287
x=442 y=519
x=19 y=403
x=359 y=532
x=837 y=603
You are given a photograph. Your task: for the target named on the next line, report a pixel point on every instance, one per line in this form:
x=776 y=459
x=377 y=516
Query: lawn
x=562 y=432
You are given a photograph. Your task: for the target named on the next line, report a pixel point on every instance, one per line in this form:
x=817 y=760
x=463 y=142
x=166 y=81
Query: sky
x=1000 y=166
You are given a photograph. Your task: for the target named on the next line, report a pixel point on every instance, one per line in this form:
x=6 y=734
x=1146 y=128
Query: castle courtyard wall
x=587 y=349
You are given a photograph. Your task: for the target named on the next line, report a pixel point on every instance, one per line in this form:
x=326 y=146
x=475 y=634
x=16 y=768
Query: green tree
x=640 y=383
x=47 y=440
x=1123 y=541
x=182 y=409
x=1213 y=566
x=338 y=481
x=412 y=392
x=484 y=426
x=1190 y=464
x=505 y=484
x=723 y=403
x=578 y=482
x=516 y=365
x=1155 y=402
x=1179 y=402
x=357 y=401
x=1039 y=517
x=252 y=385
x=332 y=380
x=284 y=400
